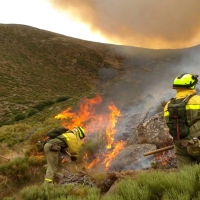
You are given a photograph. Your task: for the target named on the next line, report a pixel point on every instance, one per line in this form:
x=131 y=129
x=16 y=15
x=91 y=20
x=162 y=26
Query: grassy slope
x=37 y=65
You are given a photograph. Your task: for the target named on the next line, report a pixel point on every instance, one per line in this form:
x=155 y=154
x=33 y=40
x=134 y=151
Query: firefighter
x=187 y=126
x=67 y=139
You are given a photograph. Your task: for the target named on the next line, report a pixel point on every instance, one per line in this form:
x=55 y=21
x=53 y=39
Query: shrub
x=91 y=147
x=13 y=134
x=40 y=106
x=40 y=134
x=64 y=98
x=31 y=112
x=22 y=169
x=19 y=117
x=161 y=106
x=56 y=192
x=160 y=185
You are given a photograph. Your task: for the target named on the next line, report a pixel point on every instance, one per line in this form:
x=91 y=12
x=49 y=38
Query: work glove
x=73 y=158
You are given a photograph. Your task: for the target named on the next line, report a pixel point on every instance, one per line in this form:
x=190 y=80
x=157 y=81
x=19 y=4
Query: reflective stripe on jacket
x=70 y=140
x=192 y=110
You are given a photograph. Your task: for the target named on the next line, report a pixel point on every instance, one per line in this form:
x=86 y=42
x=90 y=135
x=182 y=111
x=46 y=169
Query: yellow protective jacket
x=192 y=111
x=70 y=139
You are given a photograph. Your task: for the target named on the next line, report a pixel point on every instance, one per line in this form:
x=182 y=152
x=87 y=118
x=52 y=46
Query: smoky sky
x=142 y=23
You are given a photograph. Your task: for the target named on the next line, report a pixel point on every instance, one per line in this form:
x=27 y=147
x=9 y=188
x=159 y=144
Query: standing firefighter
x=59 y=139
x=182 y=115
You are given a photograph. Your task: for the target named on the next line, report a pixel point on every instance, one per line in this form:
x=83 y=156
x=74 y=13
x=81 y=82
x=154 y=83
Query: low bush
x=40 y=134
x=40 y=106
x=14 y=134
x=19 y=117
x=63 y=98
x=160 y=185
x=56 y=192
x=31 y=112
x=161 y=106
x=22 y=170
x=91 y=148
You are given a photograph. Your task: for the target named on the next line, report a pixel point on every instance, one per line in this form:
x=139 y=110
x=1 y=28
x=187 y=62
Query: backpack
x=177 y=124
x=53 y=133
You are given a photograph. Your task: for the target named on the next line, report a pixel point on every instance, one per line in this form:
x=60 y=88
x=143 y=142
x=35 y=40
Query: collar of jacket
x=181 y=93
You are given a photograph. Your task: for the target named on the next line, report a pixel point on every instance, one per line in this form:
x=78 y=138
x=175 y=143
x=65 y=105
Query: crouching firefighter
x=182 y=116
x=61 y=138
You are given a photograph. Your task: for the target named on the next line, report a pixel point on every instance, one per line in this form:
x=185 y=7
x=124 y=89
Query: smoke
x=142 y=163
x=148 y=82
x=145 y=23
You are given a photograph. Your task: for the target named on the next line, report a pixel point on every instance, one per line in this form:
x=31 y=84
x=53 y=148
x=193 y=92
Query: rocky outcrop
x=132 y=157
x=149 y=135
x=154 y=131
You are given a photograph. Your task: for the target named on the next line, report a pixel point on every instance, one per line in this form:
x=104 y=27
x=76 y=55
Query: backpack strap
x=187 y=98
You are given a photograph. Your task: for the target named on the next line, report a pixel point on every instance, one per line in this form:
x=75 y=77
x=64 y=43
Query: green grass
x=160 y=185
x=154 y=185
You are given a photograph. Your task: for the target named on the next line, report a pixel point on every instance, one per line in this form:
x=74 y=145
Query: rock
x=154 y=131
x=128 y=158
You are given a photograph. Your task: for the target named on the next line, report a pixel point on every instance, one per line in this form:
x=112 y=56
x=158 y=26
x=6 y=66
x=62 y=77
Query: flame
x=110 y=156
x=110 y=130
x=164 y=158
x=93 y=163
x=101 y=123
x=86 y=110
x=65 y=160
x=37 y=155
x=65 y=114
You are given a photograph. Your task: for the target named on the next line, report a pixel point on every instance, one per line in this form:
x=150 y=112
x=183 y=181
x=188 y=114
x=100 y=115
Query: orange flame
x=37 y=155
x=65 y=114
x=110 y=156
x=93 y=163
x=164 y=157
x=100 y=123
x=84 y=113
x=110 y=130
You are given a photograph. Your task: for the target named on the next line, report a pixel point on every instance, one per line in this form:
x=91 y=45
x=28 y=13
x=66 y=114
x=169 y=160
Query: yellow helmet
x=185 y=80
x=81 y=132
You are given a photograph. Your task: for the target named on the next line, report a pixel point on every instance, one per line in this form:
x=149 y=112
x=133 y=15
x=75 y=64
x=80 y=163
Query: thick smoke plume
x=144 y=23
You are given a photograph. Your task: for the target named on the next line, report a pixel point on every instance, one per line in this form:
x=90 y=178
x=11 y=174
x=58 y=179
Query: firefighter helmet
x=185 y=80
x=81 y=132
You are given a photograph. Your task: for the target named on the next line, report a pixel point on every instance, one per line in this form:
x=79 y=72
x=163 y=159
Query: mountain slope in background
x=37 y=65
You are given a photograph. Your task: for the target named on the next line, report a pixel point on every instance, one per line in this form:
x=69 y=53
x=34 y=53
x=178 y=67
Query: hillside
x=43 y=73
x=38 y=66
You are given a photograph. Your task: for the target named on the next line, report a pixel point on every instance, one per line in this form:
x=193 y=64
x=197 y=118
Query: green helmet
x=185 y=80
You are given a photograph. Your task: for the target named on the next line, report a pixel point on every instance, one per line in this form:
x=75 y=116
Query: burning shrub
x=91 y=148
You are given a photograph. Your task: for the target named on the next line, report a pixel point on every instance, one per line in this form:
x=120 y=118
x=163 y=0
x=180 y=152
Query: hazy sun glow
x=40 y=14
